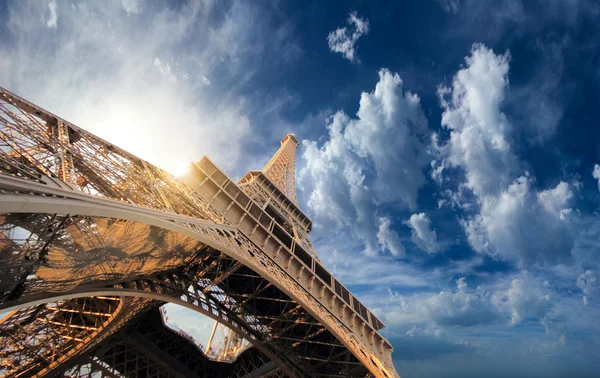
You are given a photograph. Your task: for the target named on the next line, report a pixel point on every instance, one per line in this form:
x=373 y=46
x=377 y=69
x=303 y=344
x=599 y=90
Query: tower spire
x=281 y=169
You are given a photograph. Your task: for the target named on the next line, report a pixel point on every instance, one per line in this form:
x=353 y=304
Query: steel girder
x=243 y=300
x=84 y=218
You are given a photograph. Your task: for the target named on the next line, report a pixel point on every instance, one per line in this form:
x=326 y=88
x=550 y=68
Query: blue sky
x=448 y=147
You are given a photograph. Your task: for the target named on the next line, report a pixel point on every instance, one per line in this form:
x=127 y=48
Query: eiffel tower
x=94 y=240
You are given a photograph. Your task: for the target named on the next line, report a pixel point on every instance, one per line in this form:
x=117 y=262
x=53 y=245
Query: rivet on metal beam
x=289 y=262
x=311 y=282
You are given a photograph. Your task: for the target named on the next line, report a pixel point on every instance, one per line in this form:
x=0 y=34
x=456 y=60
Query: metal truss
x=145 y=348
x=244 y=300
x=281 y=169
x=93 y=239
x=36 y=339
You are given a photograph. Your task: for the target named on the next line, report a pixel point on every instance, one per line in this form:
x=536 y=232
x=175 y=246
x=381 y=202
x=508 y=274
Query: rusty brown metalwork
x=93 y=239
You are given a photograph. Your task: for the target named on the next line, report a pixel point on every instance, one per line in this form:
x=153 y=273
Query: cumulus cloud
x=388 y=239
x=596 y=174
x=524 y=300
x=368 y=162
x=555 y=200
x=479 y=130
x=514 y=221
x=53 y=15
x=343 y=40
x=422 y=235
x=461 y=307
x=507 y=302
x=519 y=226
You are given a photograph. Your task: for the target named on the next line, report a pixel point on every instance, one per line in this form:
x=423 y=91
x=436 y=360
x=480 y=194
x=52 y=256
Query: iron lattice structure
x=281 y=169
x=94 y=239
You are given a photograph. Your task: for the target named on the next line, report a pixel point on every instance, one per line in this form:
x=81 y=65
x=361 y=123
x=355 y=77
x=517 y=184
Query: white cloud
x=422 y=235
x=343 y=40
x=194 y=324
x=368 y=162
x=556 y=200
x=588 y=284
x=165 y=69
x=131 y=6
x=388 y=239
x=519 y=226
x=514 y=222
x=525 y=300
x=506 y=302
x=366 y=271
x=479 y=130
x=596 y=174
x=461 y=308
x=126 y=81
x=53 y=15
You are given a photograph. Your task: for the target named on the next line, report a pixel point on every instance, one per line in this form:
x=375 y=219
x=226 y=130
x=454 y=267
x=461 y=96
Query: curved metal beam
x=217 y=236
x=161 y=297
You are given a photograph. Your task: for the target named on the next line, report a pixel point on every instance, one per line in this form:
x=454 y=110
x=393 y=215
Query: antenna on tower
x=281 y=169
